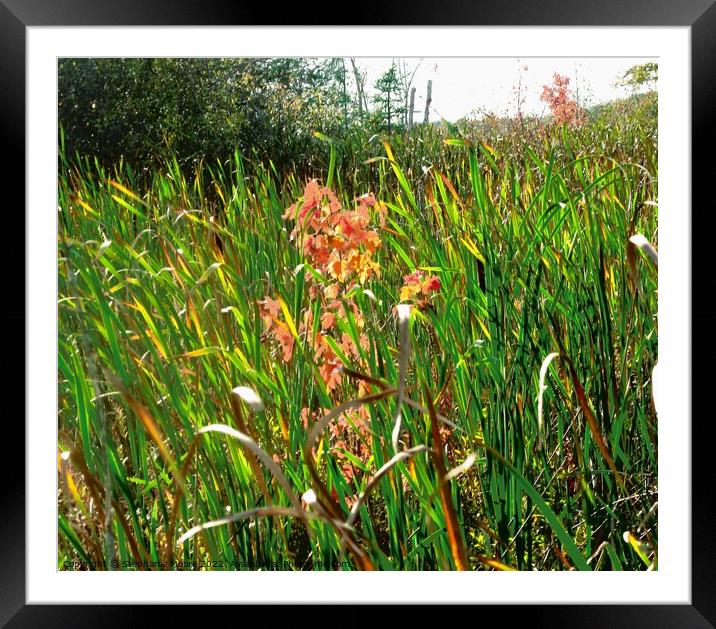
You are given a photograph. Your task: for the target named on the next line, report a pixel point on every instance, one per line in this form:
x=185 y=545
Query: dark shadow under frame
x=16 y=15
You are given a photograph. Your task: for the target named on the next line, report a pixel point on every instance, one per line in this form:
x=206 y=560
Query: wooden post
x=412 y=106
x=428 y=100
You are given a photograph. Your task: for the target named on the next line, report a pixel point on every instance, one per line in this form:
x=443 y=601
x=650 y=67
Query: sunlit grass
x=181 y=432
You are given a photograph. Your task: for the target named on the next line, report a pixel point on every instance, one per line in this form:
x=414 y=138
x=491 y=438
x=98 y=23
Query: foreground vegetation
x=208 y=324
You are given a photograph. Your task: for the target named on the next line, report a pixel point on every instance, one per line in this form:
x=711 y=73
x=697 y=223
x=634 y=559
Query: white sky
x=462 y=85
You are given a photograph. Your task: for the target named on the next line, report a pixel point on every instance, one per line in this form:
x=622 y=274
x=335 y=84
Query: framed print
x=350 y=311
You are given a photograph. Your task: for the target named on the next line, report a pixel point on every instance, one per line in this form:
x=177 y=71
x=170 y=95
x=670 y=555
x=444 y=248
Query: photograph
x=400 y=312
x=321 y=313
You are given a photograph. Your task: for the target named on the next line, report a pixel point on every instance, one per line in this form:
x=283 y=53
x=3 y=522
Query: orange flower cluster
x=418 y=287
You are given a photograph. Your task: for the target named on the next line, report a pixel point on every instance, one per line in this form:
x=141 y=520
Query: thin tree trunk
x=344 y=96
x=428 y=100
x=360 y=89
x=411 y=107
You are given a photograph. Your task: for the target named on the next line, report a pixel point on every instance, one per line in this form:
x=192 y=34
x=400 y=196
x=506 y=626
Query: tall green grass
x=158 y=323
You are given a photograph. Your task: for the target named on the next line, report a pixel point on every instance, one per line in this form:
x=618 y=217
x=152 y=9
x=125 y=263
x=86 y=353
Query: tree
x=361 y=98
x=142 y=109
x=639 y=76
x=563 y=107
x=389 y=101
x=405 y=80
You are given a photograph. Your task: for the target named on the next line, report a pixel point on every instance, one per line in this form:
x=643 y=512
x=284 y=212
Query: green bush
x=142 y=110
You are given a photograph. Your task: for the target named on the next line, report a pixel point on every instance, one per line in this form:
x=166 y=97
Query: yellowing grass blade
x=641 y=549
x=452 y=190
x=289 y=318
x=124 y=190
x=202 y=351
x=85 y=206
x=594 y=426
x=68 y=483
x=493 y=563
x=156 y=435
x=455 y=537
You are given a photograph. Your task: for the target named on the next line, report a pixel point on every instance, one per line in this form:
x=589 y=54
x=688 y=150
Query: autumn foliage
x=564 y=109
x=339 y=243
x=418 y=287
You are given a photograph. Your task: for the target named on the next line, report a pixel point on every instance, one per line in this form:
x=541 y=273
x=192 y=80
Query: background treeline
x=142 y=109
x=144 y=112
x=138 y=110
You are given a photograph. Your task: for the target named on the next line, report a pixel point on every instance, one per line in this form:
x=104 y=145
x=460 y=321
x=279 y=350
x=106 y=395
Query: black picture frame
x=700 y=15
